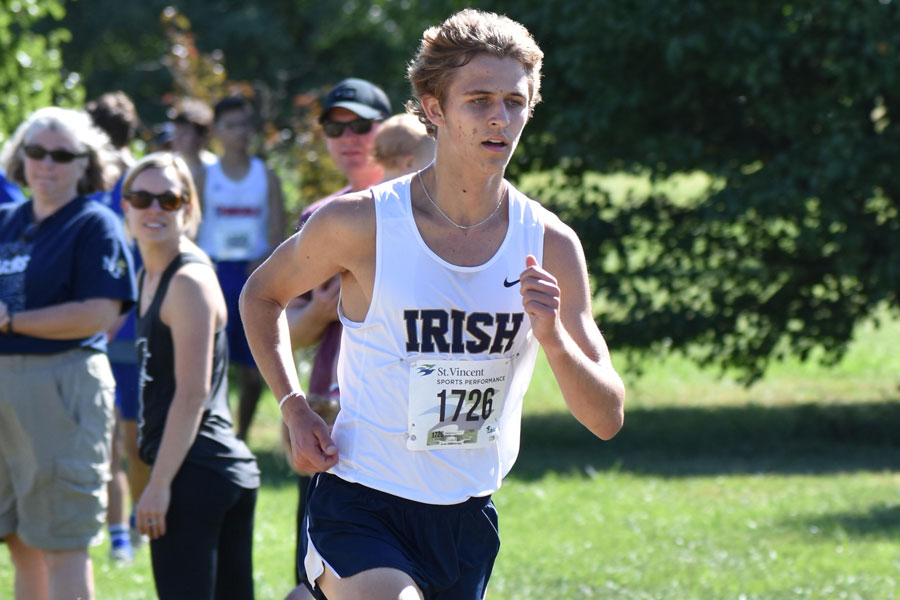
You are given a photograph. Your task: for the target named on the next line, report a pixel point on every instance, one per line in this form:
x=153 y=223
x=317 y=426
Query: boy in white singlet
x=243 y=220
x=450 y=279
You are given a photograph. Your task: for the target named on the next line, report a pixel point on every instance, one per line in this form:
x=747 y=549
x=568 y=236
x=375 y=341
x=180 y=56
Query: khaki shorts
x=56 y=417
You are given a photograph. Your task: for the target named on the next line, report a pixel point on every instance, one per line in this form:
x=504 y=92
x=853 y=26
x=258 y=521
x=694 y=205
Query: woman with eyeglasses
x=65 y=277
x=197 y=507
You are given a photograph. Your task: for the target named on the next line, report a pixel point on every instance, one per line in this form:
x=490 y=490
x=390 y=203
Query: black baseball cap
x=360 y=96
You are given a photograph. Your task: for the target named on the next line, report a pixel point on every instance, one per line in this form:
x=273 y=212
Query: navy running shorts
x=448 y=550
x=233 y=274
x=127 y=390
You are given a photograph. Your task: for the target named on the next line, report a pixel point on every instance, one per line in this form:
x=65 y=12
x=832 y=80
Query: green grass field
x=788 y=489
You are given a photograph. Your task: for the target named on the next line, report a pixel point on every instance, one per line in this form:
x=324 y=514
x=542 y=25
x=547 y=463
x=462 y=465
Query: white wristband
x=285 y=397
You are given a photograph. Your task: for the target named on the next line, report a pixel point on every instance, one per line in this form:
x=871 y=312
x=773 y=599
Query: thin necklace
x=446 y=216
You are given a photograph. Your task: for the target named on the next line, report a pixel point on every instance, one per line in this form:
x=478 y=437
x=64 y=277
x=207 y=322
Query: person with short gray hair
x=66 y=274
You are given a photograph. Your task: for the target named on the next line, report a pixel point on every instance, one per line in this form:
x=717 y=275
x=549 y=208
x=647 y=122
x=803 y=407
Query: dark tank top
x=216 y=446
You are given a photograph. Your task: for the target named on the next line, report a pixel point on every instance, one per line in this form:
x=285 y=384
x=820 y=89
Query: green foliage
x=792 y=106
x=283 y=53
x=31 y=72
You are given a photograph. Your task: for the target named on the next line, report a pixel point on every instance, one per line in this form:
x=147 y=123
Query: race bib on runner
x=456 y=403
x=234 y=241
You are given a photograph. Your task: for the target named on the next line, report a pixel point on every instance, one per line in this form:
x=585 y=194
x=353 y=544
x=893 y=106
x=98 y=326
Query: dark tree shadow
x=807 y=438
x=881 y=522
x=678 y=442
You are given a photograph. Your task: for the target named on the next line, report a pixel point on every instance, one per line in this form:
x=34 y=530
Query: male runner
x=450 y=278
x=243 y=219
x=352 y=114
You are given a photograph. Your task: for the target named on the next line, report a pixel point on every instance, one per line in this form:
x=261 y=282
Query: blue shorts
x=127 y=392
x=123 y=359
x=232 y=277
x=448 y=550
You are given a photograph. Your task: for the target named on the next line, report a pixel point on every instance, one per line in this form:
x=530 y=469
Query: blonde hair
x=459 y=39
x=169 y=160
x=401 y=136
x=101 y=172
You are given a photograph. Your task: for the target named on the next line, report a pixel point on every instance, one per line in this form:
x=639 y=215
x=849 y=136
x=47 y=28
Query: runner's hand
x=312 y=448
x=541 y=300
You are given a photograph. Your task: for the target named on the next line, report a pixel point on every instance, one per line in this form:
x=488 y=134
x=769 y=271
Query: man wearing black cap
x=351 y=115
x=352 y=112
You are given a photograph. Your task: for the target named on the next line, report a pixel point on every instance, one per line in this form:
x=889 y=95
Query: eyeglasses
x=335 y=129
x=57 y=156
x=167 y=200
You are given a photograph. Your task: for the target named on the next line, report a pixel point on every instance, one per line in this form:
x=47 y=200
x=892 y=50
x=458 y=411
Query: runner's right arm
x=334 y=241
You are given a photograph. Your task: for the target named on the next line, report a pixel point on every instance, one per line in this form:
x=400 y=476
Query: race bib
x=456 y=403
x=234 y=241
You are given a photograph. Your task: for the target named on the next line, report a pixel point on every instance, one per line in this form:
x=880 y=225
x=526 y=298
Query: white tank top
x=454 y=343
x=235 y=214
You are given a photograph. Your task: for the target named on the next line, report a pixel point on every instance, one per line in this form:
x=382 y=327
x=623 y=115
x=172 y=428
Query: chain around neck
x=446 y=216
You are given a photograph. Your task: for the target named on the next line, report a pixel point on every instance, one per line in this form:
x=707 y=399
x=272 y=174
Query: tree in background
x=790 y=108
x=194 y=73
x=31 y=69
x=283 y=53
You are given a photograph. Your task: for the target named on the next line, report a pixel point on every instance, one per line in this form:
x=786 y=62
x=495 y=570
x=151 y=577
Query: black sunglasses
x=334 y=129
x=57 y=156
x=167 y=200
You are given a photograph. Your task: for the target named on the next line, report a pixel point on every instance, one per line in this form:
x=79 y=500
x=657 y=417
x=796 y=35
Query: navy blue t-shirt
x=77 y=253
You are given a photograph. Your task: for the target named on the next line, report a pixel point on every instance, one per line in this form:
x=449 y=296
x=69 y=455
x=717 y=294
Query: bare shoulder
x=352 y=213
x=193 y=291
x=194 y=276
x=562 y=247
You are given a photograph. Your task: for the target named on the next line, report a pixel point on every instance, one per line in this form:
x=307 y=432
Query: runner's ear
x=432 y=108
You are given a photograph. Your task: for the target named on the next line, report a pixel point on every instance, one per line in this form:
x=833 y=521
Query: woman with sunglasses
x=197 y=507
x=65 y=276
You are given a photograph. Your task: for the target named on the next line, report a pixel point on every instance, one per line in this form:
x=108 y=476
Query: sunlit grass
x=786 y=489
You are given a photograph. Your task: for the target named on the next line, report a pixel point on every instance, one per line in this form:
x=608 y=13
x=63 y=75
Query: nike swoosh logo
x=509 y=283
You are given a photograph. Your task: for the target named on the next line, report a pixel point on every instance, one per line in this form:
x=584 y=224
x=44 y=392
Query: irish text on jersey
x=455 y=331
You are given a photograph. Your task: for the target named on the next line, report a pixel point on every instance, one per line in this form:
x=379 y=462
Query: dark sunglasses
x=167 y=200
x=57 y=156
x=334 y=129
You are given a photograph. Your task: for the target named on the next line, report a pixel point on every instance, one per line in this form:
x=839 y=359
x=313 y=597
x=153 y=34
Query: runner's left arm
x=556 y=296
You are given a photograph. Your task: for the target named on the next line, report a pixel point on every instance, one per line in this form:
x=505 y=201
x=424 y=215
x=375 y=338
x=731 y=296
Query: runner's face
x=484 y=111
x=351 y=151
x=235 y=130
x=153 y=224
